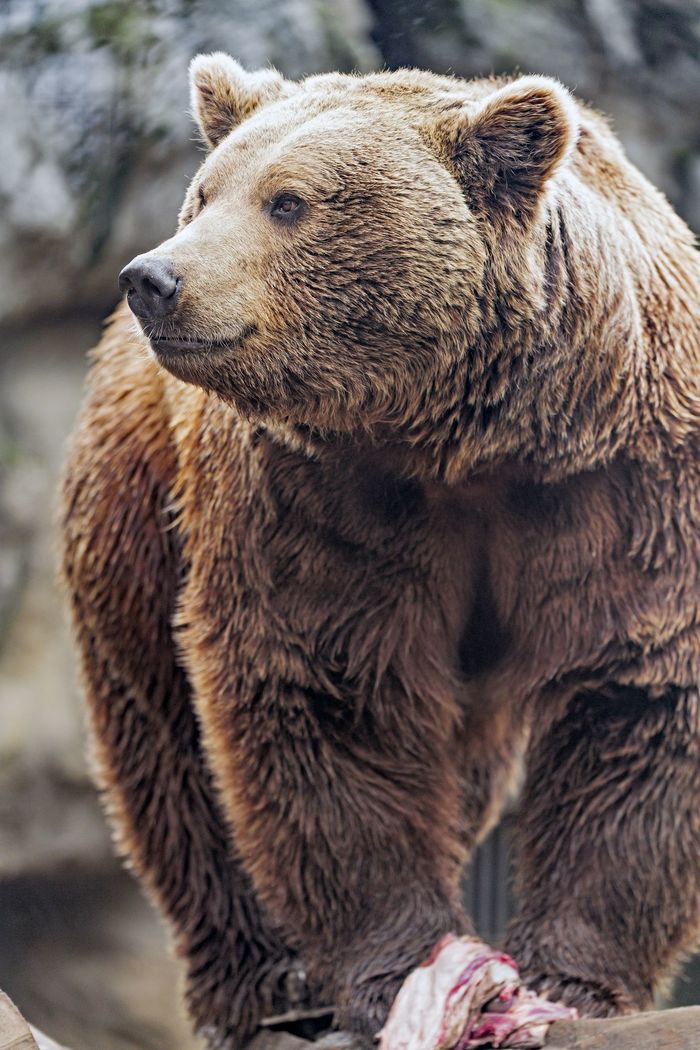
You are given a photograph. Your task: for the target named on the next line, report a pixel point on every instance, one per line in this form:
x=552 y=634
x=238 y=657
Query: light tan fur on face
x=432 y=244
x=223 y=93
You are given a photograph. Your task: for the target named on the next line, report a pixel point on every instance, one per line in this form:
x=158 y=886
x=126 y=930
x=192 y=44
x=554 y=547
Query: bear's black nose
x=152 y=287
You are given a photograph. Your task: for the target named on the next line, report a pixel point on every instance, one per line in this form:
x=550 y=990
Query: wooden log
x=660 y=1030
x=268 y=1040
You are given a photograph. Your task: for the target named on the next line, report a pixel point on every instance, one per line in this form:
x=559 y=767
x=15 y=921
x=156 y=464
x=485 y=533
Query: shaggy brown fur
x=429 y=491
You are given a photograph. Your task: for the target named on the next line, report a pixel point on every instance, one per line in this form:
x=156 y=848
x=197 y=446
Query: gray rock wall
x=637 y=60
x=95 y=140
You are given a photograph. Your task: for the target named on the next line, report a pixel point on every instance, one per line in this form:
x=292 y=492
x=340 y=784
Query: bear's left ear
x=504 y=151
x=223 y=93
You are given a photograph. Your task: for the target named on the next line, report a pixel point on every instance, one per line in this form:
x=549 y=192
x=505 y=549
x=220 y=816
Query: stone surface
x=48 y=813
x=14 y=1030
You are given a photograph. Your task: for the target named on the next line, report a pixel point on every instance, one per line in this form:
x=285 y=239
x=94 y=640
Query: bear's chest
x=344 y=576
x=338 y=575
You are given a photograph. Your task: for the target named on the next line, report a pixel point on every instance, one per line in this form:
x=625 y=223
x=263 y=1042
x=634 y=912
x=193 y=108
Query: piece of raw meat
x=467 y=995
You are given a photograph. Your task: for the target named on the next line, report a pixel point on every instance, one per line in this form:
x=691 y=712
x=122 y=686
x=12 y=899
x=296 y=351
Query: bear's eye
x=286 y=207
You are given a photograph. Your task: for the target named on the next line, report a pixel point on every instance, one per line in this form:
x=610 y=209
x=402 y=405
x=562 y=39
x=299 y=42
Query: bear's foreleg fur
x=348 y=842
x=609 y=836
x=120 y=564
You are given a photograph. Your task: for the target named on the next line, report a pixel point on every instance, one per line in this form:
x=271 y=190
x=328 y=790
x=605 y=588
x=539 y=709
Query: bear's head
x=388 y=258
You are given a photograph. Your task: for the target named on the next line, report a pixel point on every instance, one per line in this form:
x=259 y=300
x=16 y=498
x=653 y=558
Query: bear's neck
x=589 y=349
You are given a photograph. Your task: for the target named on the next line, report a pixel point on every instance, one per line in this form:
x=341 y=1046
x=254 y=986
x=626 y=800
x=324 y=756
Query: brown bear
x=394 y=484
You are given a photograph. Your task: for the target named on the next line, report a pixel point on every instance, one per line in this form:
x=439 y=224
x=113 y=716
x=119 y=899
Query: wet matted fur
x=420 y=492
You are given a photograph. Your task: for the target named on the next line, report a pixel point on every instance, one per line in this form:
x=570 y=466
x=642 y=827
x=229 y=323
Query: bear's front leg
x=609 y=850
x=348 y=830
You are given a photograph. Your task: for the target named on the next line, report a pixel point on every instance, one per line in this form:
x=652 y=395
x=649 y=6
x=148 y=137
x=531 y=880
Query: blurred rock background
x=95 y=151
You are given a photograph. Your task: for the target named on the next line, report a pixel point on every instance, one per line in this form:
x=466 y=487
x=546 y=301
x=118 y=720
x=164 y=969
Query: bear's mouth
x=171 y=346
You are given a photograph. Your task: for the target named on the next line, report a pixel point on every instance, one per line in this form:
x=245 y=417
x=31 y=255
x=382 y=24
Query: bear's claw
x=467 y=995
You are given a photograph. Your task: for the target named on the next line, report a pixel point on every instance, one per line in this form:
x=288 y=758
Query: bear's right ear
x=223 y=94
